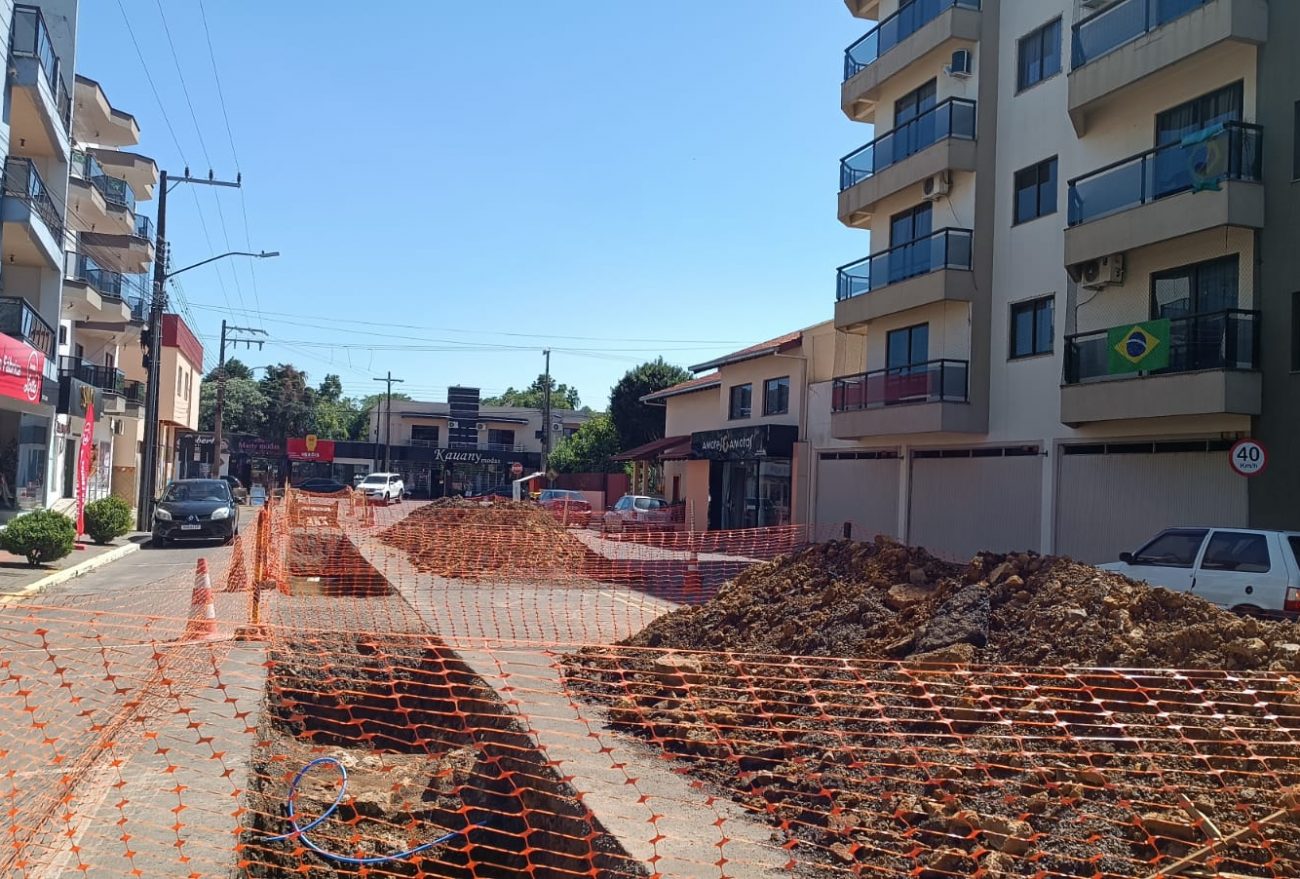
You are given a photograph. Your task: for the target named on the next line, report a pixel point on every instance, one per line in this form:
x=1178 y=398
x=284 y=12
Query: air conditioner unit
x=961 y=65
x=1103 y=272
x=452 y=425
x=935 y=186
x=482 y=426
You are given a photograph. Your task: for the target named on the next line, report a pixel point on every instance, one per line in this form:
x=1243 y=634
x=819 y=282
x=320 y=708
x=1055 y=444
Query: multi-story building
x=179 y=378
x=36 y=141
x=1080 y=288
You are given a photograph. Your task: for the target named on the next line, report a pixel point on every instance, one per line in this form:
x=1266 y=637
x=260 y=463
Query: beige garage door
x=860 y=488
x=967 y=500
x=1112 y=497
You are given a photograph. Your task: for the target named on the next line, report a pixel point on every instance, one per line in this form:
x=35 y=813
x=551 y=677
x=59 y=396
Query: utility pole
x=221 y=386
x=388 y=416
x=546 y=417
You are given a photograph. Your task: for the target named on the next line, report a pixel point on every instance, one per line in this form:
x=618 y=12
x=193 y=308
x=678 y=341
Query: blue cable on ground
x=301 y=832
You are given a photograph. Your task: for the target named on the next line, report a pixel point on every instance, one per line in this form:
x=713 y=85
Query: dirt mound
x=884 y=600
x=453 y=537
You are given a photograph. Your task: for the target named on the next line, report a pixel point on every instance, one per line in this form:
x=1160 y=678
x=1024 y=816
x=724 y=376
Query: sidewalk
x=19 y=580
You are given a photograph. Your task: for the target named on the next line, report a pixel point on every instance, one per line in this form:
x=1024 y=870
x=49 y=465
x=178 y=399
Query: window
x=1295 y=547
x=180 y=380
x=1237 y=551
x=424 y=434
x=741 y=396
x=1200 y=288
x=1295 y=144
x=1031 y=327
x=1172 y=549
x=776 y=396
x=1220 y=105
x=1036 y=191
x=109 y=362
x=907 y=347
x=1039 y=55
x=501 y=438
x=63 y=334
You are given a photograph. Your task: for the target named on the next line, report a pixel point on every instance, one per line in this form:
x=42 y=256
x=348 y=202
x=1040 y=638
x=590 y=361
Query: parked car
x=506 y=492
x=637 y=511
x=321 y=485
x=568 y=507
x=237 y=490
x=386 y=487
x=1249 y=571
x=196 y=509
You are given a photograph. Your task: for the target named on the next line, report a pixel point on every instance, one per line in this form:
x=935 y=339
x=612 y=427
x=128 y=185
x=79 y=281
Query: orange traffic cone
x=691 y=583
x=203 y=613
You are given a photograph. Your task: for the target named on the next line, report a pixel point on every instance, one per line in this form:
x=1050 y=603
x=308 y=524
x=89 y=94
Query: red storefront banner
x=84 y=456
x=22 y=370
x=309 y=448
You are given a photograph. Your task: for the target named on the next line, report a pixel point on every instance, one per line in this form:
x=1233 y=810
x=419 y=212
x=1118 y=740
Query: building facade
x=1071 y=308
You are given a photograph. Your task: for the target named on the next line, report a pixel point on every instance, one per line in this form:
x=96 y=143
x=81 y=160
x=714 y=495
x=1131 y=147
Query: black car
x=196 y=509
x=320 y=485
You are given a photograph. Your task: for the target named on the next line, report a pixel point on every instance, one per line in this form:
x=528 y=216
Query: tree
x=334 y=418
x=243 y=409
x=359 y=428
x=330 y=390
x=534 y=396
x=234 y=369
x=589 y=450
x=290 y=402
x=635 y=422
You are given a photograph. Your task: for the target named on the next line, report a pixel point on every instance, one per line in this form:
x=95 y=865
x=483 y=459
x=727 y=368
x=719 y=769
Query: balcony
x=41 y=112
x=863 y=8
x=100 y=202
x=99 y=298
x=133 y=394
x=97 y=120
x=900 y=40
x=936 y=268
x=127 y=253
x=1123 y=44
x=928 y=397
x=1210 y=180
x=140 y=172
x=942 y=139
x=110 y=382
x=33 y=225
x=19 y=320
x=1211 y=371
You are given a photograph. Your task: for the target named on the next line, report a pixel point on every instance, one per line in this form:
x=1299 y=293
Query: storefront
x=443 y=472
x=750 y=474
x=250 y=459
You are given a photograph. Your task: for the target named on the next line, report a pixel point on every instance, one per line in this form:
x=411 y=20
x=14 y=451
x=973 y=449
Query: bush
x=42 y=536
x=108 y=519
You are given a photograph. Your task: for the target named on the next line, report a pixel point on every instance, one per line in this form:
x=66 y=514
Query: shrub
x=42 y=536
x=108 y=519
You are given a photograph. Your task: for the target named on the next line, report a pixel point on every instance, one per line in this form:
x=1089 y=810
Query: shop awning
x=650 y=451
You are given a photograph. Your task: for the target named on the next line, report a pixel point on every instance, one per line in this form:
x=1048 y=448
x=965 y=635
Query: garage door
x=968 y=500
x=1111 y=497
x=860 y=488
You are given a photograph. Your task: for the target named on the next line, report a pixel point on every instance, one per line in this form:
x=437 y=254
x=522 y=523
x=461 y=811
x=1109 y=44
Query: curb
x=70 y=573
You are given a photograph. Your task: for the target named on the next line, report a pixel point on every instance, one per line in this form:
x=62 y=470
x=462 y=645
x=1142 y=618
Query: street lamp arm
x=263 y=255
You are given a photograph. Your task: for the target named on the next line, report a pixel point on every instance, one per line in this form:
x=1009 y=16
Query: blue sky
x=450 y=174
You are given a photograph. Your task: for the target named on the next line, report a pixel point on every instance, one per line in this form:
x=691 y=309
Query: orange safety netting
x=458 y=666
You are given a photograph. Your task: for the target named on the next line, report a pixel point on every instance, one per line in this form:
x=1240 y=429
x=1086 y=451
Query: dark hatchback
x=196 y=509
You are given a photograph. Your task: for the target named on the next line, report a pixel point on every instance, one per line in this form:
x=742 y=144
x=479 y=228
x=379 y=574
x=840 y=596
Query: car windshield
x=206 y=490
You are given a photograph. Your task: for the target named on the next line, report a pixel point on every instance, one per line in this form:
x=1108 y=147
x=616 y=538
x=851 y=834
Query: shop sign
x=310 y=448
x=258 y=447
x=463 y=456
x=22 y=370
x=740 y=443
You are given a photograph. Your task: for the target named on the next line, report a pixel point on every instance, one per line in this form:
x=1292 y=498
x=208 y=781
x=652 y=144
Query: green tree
x=290 y=402
x=243 y=410
x=534 y=396
x=359 y=428
x=330 y=390
x=334 y=419
x=590 y=449
x=635 y=422
x=234 y=369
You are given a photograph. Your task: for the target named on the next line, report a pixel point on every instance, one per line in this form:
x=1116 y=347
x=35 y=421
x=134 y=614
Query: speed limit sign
x=1248 y=457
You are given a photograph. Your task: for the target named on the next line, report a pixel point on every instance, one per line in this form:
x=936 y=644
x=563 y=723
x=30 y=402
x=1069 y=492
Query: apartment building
x=1078 y=292
x=36 y=141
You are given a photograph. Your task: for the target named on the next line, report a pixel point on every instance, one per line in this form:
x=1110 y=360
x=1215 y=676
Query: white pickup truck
x=1246 y=570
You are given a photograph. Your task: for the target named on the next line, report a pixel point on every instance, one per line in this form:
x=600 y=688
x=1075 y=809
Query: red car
x=568 y=507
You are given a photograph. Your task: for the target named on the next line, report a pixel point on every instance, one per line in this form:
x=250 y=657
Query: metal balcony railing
x=954 y=117
x=893 y=29
x=117 y=285
x=936 y=381
x=1233 y=151
x=19 y=320
x=111 y=381
x=1212 y=340
x=23 y=182
x=1107 y=29
x=134 y=392
x=30 y=38
x=945 y=249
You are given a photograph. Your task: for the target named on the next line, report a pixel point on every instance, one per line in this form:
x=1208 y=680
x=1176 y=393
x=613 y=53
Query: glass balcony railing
x=945 y=249
x=22 y=182
x=143 y=227
x=1213 y=340
x=955 y=117
x=1227 y=152
x=118 y=285
x=19 y=320
x=30 y=38
x=107 y=379
x=893 y=29
x=134 y=392
x=1106 y=30
x=936 y=381
x=114 y=189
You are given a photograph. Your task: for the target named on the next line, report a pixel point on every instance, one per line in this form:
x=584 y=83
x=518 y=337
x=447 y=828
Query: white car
x=386 y=487
x=1246 y=570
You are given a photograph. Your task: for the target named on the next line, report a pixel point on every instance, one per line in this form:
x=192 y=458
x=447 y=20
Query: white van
x=1242 y=569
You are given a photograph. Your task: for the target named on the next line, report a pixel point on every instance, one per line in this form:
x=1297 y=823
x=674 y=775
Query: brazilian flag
x=1139 y=347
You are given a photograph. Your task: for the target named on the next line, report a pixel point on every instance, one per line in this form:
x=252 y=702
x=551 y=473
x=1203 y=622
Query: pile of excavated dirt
x=460 y=538
x=888 y=601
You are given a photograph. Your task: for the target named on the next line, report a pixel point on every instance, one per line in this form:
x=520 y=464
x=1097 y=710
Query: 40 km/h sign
x=1248 y=457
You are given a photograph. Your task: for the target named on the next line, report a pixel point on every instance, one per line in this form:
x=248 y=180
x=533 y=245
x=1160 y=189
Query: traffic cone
x=203 y=613
x=691 y=583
